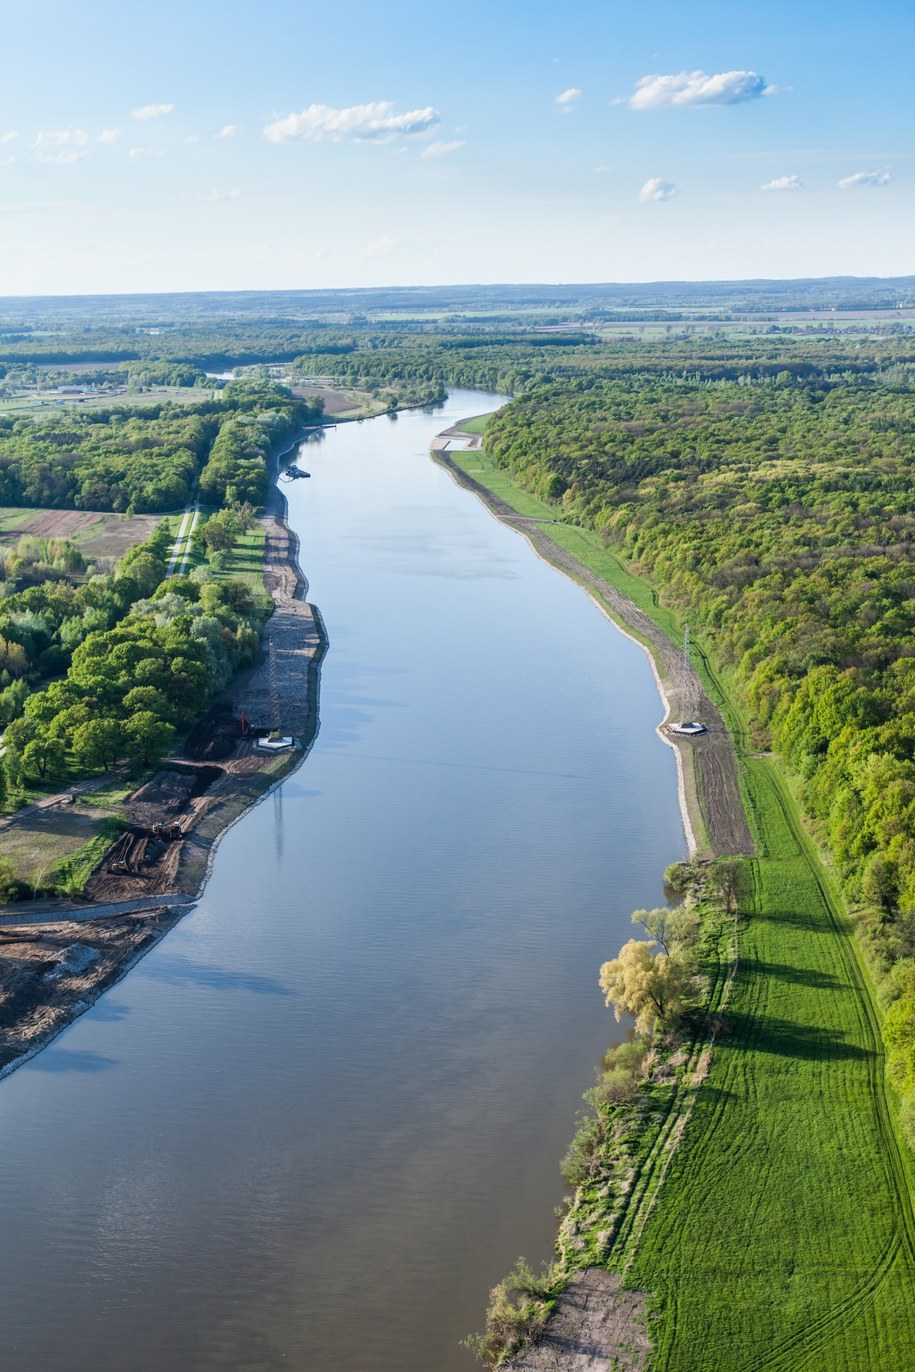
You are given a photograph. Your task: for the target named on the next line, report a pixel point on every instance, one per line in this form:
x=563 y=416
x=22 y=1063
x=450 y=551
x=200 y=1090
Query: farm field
x=783 y=1238
x=789 y=1200
x=97 y=533
x=341 y=402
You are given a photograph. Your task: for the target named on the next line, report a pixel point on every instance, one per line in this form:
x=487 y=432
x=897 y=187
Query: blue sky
x=195 y=145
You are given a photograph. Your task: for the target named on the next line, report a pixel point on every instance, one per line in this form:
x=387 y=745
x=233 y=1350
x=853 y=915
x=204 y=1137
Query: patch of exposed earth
x=595 y=1327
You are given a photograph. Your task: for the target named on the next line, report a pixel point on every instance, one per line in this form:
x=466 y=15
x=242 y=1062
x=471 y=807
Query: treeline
x=511 y=362
x=97 y=460
x=266 y=416
x=149 y=461
x=206 y=347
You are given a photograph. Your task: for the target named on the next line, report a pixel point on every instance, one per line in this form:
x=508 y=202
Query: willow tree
x=653 y=988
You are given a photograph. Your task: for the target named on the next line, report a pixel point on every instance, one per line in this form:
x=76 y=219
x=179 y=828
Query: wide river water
x=315 y=1124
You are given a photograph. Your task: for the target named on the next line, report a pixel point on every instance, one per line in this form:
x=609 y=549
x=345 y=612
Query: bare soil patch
x=595 y=1327
x=97 y=532
x=335 y=402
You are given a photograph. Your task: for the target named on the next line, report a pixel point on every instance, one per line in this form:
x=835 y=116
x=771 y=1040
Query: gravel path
x=60 y=912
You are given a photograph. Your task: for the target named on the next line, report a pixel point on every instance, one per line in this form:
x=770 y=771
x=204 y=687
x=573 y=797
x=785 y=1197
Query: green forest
x=150 y=461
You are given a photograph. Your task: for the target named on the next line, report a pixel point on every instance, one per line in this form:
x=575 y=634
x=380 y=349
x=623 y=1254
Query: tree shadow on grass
x=751 y=968
x=796 y=919
x=772 y=1034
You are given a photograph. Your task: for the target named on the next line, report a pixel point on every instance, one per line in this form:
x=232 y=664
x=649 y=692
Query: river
x=316 y=1123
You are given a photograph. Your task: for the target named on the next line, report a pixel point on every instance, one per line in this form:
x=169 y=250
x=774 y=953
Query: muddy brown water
x=314 y=1125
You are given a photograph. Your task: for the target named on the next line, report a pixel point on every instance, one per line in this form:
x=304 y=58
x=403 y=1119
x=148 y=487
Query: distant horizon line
x=657 y=283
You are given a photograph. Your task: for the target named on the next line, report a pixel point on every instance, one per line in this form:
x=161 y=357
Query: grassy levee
x=782 y=1238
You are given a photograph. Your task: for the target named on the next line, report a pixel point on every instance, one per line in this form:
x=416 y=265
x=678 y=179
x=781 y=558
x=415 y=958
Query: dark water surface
x=318 y=1122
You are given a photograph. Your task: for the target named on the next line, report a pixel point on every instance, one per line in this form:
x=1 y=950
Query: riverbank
x=784 y=1236
x=53 y=968
x=714 y=819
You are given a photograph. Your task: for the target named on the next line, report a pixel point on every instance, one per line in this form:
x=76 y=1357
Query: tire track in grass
x=705 y=1165
x=806 y=1342
x=653 y=1169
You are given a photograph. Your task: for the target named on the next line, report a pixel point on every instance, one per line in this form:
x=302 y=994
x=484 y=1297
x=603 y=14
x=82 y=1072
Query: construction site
x=261 y=727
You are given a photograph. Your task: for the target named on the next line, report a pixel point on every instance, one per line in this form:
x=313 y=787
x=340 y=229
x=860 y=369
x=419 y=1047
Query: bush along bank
x=674 y=981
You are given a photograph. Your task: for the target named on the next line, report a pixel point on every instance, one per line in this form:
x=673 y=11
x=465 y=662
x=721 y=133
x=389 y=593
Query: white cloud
x=146 y=152
x=568 y=100
x=376 y=122
x=883 y=177
x=150 y=111
x=215 y=196
x=61 y=138
x=7 y=158
x=60 y=146
x=602 y=168
x=382 y=246
x=8 y=137
x=657 y=189
x=229 y=131
x=109 y=135
x=193 y=138
x=443 y=149
x=62 y=158
x=693 y=89
x=783 y=183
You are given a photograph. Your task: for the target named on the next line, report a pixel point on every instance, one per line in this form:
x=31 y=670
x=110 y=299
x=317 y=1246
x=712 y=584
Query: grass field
x=56 y=847
x=477 y=425
x=245 y=559
x=783 y=1238
x=33 y=406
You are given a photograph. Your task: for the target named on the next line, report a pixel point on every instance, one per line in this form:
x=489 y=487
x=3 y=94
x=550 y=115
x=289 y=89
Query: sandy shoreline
x=53 y=968
x=714 y=820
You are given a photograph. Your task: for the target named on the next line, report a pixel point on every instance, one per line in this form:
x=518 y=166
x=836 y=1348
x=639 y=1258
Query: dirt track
x=710 y=760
